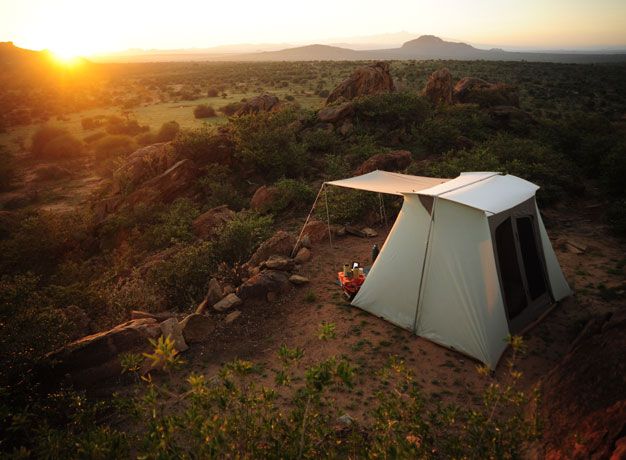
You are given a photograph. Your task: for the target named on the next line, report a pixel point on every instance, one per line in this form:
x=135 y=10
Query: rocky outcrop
x=206 y=224
x=282 y=263
x=584 y=397
x=335 y=113
x=262 y=103
x=143 y=164
x=506 y=116
x=392 y=161
x=259 y=286
x=471 y=90
x=95 y=358
x=366 y=80
x=166 y=187
x=281 y=243
x=438 y=89
x=173 y=330
x=264 y=198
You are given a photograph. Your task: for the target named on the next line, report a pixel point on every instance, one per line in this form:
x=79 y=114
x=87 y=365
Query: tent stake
x=308 y=218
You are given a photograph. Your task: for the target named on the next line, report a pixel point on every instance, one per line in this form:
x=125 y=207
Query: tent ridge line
x=467 y=185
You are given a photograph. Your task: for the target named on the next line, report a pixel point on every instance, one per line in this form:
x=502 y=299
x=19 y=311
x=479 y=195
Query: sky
x=85 y=27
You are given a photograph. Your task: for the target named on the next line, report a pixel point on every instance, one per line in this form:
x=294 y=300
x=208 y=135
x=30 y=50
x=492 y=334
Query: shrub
x=173 y=225
x=146 y=138
x=90 y=123
x=7 y=169
x=212 y=92
x=392 y=110
x=168 y=131
x=94 y=137
x=111 y=147
x=55 y=143
x=231 y=108
x=117 y=125
x=240 y=237
x=293 y=194
x=217 y=188
x=203 y=145
x=267 y=142
x=204 y=111
x=183 y=278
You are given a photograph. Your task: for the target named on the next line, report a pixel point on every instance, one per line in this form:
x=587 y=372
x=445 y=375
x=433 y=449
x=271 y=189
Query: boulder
x=298 y=280
x=264 y=198
x=281 y=243
x=507 y=116
x=335 y=113
x=215 y=293
x=303 y=255
x=369 y=232
x=366 y=80
x=143 y=164
x=197 y=328
x=438 y=89
x=476 y=91
x=95 y=358
x=391 y=161
x=316 y=231
x=207 y=223
x=258 y=286
x=583 y=399
x=166 y=187
x=232 y=316
x=279 y=263
x=346 y=128
x=173 y=329
x=228 y=302
x=262 y=103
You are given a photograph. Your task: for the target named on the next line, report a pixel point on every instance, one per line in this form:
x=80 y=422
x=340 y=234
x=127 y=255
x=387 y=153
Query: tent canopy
x=491 y=192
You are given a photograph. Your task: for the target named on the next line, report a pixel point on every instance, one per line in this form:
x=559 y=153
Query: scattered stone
x=298 y=280
x=316 y=230
x=172 y=329
x=369 y=232
x=228 y=302
x=305 y=241
x=259 y=285
x=202 y=306
x=272 y=296
x=197 y=328
x=355 y=231
x=281 y=243
x=206 y=224
x=366 y=80
x=279 y=263
x=346 y=420
x=340 y=230
x=262 y=103
x=392 y=161
x=335 y=113
x=439 y=87
x=215 y=293
x=228 y=289
x=346 y=128
x=232 y=316
x=303 y=255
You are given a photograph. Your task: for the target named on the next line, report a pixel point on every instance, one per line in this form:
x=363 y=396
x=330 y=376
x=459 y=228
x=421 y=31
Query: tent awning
x=389 y=182
x=491 y=192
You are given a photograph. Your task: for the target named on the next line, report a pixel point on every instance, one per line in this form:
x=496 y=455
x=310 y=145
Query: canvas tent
x=467 y=262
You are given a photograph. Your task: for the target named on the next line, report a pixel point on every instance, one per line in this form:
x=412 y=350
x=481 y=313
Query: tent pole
x=419 y=291
x=330 y=233
x=308 y=218
x=383 y=212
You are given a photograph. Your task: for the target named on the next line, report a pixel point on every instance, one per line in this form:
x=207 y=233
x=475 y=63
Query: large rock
x=95 y=358
x=315 y=231
x=392 y=161
x=366 y=80
x=166 y=187
x=197 y=328
x=583 y=399
x=439 y=87
x=264 y=198
x=485 y=94
x=142 y=165
x=279 y=263
x=335 y=113
x=173 y=329
x=262 y=103
x=207 y=223
x=281 y=243
x=214 y=293
x=258 y=286
x=303 y=255
x=507 y=116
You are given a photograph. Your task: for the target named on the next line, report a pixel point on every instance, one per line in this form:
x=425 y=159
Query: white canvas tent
x=467 y=262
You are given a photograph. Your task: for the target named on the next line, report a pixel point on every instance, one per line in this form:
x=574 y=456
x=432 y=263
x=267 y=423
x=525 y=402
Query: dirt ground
x=593 y=263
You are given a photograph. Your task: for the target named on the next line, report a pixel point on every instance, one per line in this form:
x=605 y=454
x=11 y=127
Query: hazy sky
x=86 y=26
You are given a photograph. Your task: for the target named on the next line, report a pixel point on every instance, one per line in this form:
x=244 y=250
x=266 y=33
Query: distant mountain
x=431 y=46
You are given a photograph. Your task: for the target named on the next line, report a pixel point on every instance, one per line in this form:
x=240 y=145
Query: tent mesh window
x=533 y=267
x=514 y=292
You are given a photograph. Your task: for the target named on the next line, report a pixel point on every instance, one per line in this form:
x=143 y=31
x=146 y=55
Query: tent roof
x=491 y=192
x=389 y=182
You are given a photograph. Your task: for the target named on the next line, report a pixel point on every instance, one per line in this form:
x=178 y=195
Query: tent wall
x=461 y=305
x=558 y=284
x=391 y=287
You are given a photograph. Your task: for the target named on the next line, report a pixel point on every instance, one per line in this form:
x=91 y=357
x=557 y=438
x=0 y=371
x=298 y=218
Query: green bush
x=231 y=108
x=240 y=237
x=173 y=225
x=204 y=111
x=268 y=142
x=392 y=110
x=203 y=145
x=217 y=188
x=117 y=125
x=168 y=131
x=292 y=195
x=112 y=147
x=183 y=278
x=50 y=142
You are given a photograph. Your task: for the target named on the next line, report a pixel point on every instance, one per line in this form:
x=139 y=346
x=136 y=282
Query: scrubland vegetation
x=572 y=144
